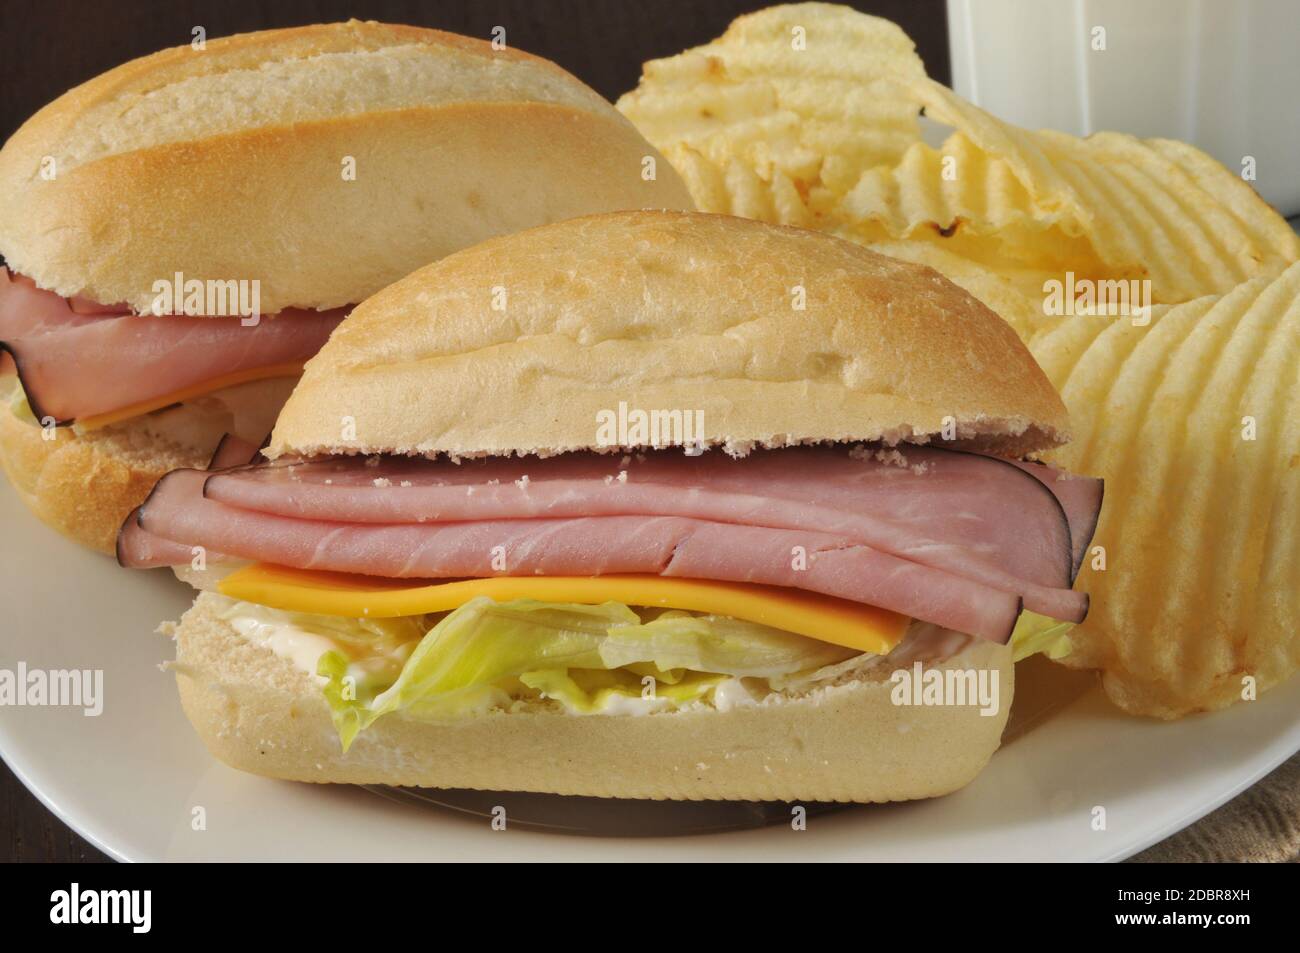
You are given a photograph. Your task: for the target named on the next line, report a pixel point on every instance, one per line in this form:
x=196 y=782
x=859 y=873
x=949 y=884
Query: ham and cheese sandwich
x=446 y=568
x=183 y=232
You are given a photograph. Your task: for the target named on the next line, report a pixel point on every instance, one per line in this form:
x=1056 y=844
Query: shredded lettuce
x=589 y=658
x=1036 y=633
x=714 y=643
x=592 y=691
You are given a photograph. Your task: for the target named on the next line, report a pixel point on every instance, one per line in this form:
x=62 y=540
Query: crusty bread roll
x=779 y=335
x=84 y=484
x=846 y=742
x=514 y=346
x=229 y=162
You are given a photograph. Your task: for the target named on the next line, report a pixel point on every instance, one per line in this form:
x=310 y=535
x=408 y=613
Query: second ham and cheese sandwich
x=181 y=233
x=647 y=505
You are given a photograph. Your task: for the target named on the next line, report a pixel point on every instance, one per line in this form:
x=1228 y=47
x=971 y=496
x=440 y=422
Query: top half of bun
x=323 y=161
x=529 y=343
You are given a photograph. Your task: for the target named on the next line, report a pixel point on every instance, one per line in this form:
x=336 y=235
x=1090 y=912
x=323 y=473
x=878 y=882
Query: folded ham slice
x=951 y=538
x=1080 y=498
x=970 y=515
x=76 y=359
x=591 y=546
x=144 y=549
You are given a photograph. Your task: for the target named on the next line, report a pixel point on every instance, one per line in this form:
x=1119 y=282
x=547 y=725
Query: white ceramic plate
x=130 y=779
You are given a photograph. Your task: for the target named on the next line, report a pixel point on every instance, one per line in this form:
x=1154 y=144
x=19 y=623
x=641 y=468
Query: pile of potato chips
x=1184 y=393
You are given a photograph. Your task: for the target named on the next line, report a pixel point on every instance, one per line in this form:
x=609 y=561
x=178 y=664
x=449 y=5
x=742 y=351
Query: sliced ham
x=946 y=537
x=143 y=550
x=140 y=549
x=968 y=515
x=233 y=451
x=1080 y=497
x=598 y=545
x=78 y=360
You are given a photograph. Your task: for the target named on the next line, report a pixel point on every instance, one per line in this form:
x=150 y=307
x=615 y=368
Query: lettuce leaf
x=589 y=658
x=1036 y=633
x=714 y=643
x=589 y=692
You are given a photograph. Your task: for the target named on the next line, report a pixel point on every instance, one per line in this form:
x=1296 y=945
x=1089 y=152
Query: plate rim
x=1288 y=745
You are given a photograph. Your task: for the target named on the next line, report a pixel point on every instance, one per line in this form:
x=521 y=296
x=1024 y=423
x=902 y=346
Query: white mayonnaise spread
x=733 y=693
x=303 y=649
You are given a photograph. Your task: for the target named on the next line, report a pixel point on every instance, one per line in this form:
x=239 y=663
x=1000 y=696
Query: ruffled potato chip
x=1194 y=422
x=778 y=116
x=1109 y=206
x=819 y=129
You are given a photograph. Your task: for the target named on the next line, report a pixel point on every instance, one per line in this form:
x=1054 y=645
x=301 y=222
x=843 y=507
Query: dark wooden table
x=30 y=832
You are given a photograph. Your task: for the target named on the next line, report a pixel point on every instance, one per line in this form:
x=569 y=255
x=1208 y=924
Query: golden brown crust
x=84 y=486
x=778 y=335
x=258 y=713
x=229 y=164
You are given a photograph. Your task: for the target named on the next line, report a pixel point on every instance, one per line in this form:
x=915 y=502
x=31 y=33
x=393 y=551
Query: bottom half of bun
x=847 y=741
x=85 y=484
